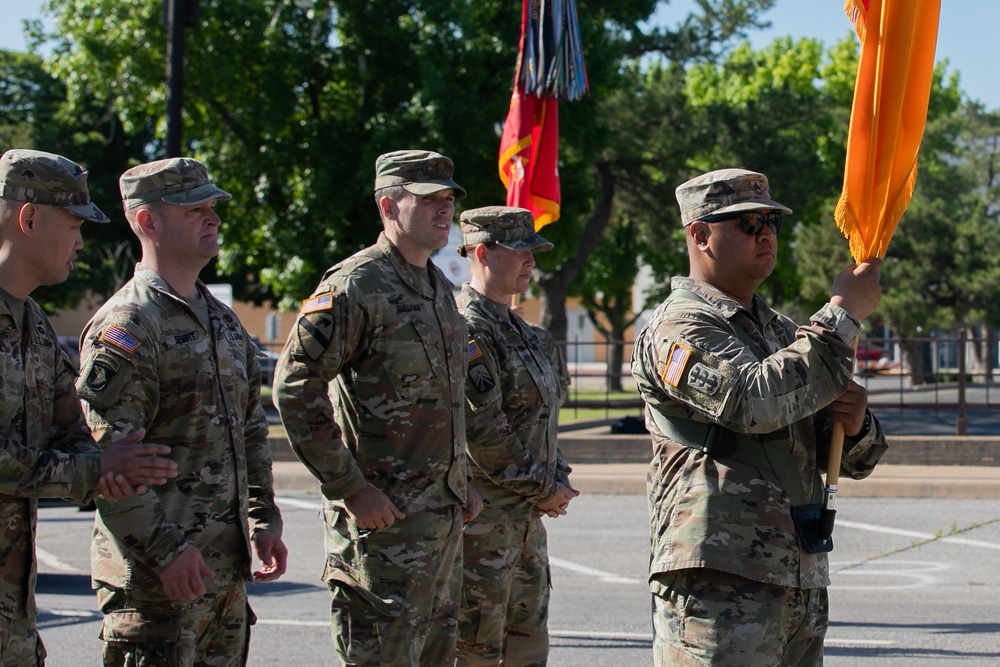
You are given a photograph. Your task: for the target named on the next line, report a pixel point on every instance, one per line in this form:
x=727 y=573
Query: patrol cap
x=419 y=172
x=177 y=180
x=36 y=177
x=724 y=191
x=512 y=228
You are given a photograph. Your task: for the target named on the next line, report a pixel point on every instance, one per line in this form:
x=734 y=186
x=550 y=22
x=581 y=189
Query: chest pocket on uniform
x=402 y=350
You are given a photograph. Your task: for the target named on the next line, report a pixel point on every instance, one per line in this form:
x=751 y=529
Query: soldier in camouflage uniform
x=512 y=417
x=554 y=351
x=389 y=449
x=163 y=354
x=48 y=449
x=738 y=402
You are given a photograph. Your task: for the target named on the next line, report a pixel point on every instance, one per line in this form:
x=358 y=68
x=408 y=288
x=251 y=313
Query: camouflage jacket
x=512 y=412
x=395 y=355
x=47 y=449
x=691 y=362
x=149 y=363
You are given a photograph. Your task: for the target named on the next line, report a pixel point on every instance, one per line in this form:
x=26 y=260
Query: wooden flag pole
x=836 y=454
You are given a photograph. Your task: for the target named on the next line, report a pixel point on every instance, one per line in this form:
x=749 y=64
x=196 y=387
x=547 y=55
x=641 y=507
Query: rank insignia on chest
x=474 y=351
x=481 y=378
x=676 y=361
x=316 y=303
x=118 y=337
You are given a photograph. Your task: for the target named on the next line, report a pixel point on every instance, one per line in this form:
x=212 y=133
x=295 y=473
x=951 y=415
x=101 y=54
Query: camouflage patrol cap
x=419 y=172
x=177 y=180
x=512 y=228
x=43 y=178
x=724 y=191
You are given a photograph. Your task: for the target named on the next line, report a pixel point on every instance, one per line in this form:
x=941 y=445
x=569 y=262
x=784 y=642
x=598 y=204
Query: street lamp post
x=177 y=14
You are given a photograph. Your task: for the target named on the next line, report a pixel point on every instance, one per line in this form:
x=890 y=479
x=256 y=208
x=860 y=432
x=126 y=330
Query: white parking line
x=300 y=504
x=609 y=577
x=52 y=561
x=887 y=530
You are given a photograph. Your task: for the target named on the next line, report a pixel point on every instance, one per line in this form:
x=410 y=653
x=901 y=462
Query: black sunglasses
x=752 y=222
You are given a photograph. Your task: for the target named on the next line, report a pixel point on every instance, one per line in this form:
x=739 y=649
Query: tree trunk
x=553 y=285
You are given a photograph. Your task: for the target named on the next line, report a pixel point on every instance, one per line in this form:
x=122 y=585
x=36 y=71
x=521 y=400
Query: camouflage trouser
x=212 y=631
x=20 y=645
x=505 y=595
x=394 y=596
x=708 y=618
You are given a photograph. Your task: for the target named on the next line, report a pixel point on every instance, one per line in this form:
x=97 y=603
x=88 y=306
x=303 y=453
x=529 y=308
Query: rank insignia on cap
x=676 y=361
x=317 y=303
x=474 y=351
x=120 y=338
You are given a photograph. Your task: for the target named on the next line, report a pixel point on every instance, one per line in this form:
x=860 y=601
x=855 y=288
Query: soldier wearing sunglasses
x=739 y=401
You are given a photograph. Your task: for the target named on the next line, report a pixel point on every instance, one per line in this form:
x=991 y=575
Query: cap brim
x=430 y=187
x=87 y=212
x=533 y=242
x=752 y=205
x=199 y=195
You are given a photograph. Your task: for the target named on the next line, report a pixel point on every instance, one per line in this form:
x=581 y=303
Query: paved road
x=915 y=585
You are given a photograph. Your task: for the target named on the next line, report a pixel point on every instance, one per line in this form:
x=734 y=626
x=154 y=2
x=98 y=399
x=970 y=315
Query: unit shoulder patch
x=704 y=379
x=481 y=378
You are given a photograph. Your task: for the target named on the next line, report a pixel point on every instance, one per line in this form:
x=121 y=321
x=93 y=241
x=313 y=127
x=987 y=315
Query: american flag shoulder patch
x=316 y=303
x=474 y=351
x=123 y=340
x=676 y=361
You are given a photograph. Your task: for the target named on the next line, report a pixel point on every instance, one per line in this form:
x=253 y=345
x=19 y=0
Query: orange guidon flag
x=529 y=156
x=898 y=38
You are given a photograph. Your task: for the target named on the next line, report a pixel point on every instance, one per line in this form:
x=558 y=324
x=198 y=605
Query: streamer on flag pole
x=888 y=115
x=549 y=68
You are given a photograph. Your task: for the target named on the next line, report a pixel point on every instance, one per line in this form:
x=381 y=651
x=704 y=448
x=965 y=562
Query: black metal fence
x=943 y=383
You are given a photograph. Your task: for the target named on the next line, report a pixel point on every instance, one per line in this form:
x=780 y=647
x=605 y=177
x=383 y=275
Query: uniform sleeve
x=328 y=333
x=491 y=439
x=264 y=512
x=68 y=463
x=861 y=455
x=695 y=356
x=119 y=385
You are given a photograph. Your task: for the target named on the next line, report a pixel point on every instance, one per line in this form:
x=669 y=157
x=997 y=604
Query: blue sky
x=967 y=28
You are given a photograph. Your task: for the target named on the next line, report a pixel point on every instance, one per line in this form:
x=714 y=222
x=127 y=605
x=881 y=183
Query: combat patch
x=474 y=351
x=101 y=373
x=704 y=379
x=315 y=334
x=317 y=303
x=676 y=361
x=118 y=337
x=481 y=378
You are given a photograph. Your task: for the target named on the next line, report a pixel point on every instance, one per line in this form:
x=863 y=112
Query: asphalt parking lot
x=915 y=584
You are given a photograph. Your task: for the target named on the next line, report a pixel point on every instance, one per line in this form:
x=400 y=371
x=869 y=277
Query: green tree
x=33 y=115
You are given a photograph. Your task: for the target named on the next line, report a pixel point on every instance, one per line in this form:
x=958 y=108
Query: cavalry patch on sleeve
x=676 y=361
x=317 y=303
x=123 y=340
x=704 y=379
x=315 y=334
x=474 y=351
x=481 y=378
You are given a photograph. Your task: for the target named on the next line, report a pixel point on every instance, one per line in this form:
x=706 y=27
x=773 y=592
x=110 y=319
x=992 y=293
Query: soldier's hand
x=184 y=577
x=856 y=289
x=114 y=486
x=558 y=503
x=473 y=504
x=371 y=509
x=140 y=464
x=272 y=553
x=849 y=409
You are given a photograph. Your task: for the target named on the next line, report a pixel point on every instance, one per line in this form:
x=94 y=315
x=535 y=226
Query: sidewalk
x=888 y=481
